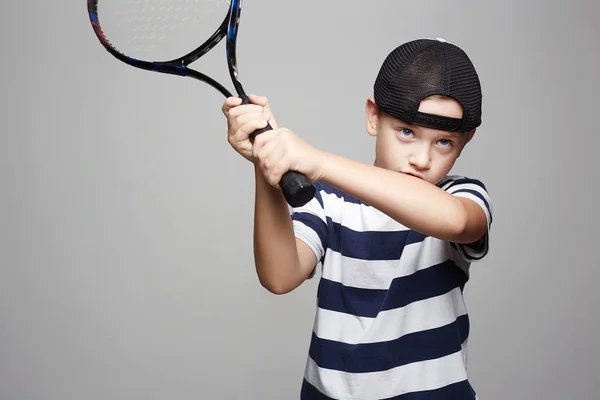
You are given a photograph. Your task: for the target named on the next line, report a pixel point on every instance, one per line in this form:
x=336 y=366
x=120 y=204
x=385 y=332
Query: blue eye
x=445 y=143
x=405 y=133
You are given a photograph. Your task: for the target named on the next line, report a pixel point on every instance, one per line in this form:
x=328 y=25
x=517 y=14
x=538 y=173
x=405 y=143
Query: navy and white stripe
x=391 y=322
x=474 y=190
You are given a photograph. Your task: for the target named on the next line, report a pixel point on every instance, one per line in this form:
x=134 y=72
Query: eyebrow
x=453 y=135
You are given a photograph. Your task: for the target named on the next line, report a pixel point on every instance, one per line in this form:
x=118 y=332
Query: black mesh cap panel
x=426 y=67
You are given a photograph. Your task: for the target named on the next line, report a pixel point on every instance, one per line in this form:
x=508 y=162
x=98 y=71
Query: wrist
x=326 y=167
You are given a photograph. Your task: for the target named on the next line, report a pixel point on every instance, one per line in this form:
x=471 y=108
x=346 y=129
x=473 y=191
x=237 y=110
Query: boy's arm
x=415 y=203
x=283 y=262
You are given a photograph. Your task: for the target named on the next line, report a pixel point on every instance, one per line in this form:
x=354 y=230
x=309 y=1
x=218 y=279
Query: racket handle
x=296 y=187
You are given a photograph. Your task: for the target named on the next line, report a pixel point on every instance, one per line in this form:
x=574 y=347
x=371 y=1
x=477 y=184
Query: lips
x=413 y=174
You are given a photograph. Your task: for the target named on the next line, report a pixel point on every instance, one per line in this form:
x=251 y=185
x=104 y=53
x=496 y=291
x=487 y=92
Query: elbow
x=276 y=287
x=277 y=277
x=278 y=290
x=459 y=232
x=459 y=227
x=462 y=231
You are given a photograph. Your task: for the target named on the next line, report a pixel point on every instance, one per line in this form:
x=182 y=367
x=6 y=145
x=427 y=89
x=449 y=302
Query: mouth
x=413 y=174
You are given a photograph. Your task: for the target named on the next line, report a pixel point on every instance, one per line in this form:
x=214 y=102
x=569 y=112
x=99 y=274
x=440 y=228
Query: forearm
x=275 y=252
x=414 y=203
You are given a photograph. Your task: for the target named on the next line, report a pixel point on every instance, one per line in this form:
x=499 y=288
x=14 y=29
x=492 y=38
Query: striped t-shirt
x=391 y=321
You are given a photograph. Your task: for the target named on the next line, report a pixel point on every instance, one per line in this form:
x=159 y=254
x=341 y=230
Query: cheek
x=390 y=153
x=445 y=164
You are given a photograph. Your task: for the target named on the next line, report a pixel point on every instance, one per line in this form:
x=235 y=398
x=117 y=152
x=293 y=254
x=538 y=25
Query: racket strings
x=160 y=29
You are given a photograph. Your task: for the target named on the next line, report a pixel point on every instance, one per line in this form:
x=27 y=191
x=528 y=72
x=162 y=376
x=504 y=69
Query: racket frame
x=296 y=188
x=178 y=66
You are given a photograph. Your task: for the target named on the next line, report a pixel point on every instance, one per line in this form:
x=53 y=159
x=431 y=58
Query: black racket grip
x=296 y=187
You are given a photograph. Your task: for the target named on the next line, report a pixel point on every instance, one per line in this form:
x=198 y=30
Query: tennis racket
x=148 y=31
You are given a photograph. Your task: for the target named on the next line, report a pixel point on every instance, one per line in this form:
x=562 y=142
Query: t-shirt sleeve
x=475 y=190
x=310 y=224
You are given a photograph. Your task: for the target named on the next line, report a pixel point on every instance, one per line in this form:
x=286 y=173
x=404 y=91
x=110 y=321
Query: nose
x=420 y=158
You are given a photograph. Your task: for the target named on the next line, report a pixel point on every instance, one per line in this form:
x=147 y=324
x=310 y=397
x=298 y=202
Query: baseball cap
x=426 y=67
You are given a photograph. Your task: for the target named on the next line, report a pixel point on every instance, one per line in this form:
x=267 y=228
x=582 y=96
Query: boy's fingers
x=230 y=103
x=264 y=146
x=243 y=109
x=234 y=101
x=264 y=102
x=248 y=128
x=245 y=118
x=259 y=100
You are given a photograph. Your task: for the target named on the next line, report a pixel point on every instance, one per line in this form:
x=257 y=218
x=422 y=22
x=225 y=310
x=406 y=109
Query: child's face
x=426 y=153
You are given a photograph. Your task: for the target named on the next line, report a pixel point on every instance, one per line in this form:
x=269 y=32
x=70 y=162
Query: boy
x=395 y=239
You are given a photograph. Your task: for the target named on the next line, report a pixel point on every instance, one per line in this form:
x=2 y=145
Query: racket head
x=146 y=23
x=161 y=35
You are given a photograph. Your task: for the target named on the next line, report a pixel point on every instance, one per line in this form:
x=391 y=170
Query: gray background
x=126 y=219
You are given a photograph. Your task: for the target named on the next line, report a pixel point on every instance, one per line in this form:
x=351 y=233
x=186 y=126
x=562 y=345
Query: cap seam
x=445 y=77
x=415 y=106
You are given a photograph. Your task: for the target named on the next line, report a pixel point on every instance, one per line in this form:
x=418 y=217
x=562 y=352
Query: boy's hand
x=280 y=150
x=275 y=152
x=243 y=120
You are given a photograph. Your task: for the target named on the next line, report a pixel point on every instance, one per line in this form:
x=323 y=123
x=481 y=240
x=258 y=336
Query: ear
x=372 y=116
x=470 y=135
